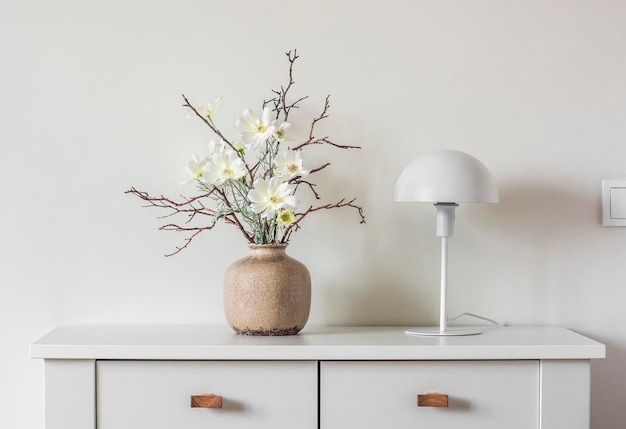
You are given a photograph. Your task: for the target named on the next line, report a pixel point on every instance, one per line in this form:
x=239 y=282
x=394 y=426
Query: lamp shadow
x=401 y=269
x=534 y=211
x=608 y=383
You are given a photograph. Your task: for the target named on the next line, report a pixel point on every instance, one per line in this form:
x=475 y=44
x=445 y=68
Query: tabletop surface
x=203 y=342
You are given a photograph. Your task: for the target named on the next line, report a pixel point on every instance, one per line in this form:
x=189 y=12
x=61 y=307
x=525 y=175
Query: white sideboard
x=119 y=377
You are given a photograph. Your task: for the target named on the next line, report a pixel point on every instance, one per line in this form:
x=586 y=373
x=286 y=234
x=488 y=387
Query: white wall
x=90 y=105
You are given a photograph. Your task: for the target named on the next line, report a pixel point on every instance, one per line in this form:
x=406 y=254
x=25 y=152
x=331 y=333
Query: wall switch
x=614 y=202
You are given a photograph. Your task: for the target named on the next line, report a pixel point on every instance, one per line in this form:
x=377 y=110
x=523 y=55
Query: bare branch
x=234 y=218
x=323 y=140
x=175 y=206
x=315 y=170
x=299 y=180
x=196 y=231
x=310 y=185
x=296 y=225
x=279 y=102
x=191 y=207
x=218 y=132
x=206 y=121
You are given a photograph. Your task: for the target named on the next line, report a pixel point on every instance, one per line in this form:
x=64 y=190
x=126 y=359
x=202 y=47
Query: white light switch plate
x=614 y=202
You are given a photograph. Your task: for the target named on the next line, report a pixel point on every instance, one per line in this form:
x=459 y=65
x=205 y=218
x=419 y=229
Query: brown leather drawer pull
x=206 y=400
x=432 y=400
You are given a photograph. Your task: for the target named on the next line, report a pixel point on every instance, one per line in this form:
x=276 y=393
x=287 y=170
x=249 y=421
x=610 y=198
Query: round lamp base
x=436 y=332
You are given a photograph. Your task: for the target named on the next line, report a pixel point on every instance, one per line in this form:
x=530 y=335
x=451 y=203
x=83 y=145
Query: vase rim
x=268 y=246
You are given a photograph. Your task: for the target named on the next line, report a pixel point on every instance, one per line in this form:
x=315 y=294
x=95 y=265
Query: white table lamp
x=445 y=178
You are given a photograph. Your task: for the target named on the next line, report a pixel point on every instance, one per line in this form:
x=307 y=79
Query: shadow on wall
x=392 y=275
x=398 y=279
x=608 y=384
x=380 y=302
x=542 y=235
x=537 y=212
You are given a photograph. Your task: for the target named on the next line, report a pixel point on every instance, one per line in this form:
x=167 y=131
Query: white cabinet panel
x=156 y=394
x=482 y=395
x=136 y=377
x=565 y=394
x=70 y=394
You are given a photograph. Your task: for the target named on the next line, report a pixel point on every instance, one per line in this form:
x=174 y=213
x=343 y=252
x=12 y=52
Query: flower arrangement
x=251 y=182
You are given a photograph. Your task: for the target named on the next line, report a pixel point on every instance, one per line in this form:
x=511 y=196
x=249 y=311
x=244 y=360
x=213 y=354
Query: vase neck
x=267 y=249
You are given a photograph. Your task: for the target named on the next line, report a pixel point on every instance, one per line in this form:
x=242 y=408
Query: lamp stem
x=444 y=285
x=445 y=228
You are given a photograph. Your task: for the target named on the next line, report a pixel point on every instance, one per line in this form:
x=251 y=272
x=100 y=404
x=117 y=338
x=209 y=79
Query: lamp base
x=436 y=332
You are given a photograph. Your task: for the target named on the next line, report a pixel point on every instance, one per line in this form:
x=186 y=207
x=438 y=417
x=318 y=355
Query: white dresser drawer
x=157 y=394
x=481 y=395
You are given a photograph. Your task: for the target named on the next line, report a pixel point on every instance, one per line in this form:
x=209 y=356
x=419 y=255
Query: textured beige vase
x=267 y=292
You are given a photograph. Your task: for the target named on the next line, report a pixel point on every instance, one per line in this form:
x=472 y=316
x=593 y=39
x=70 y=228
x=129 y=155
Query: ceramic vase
x=267 y=292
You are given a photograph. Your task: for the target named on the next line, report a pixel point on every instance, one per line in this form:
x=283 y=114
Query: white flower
x=194 y=168
x=223 y=166
x=288 y=164
x=269 y=196
x=211 y=108
x=254 y=130
x=216 y=147
x=285 y=218
x=280 y=133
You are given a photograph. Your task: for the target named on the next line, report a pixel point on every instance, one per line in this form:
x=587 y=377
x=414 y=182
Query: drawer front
x=481 y=395
x=157 y=394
